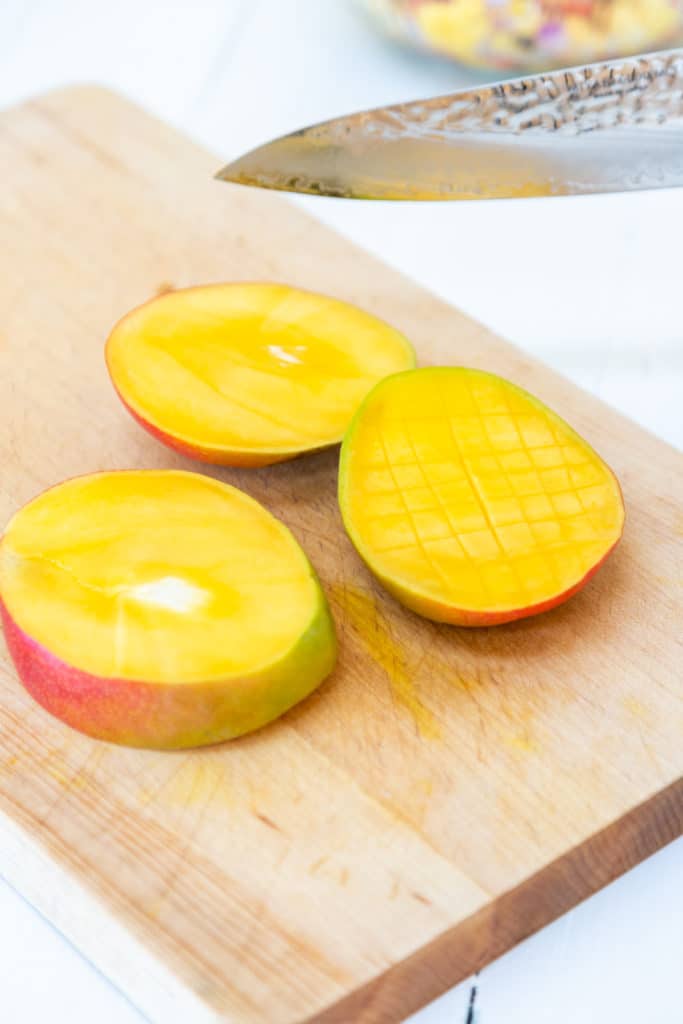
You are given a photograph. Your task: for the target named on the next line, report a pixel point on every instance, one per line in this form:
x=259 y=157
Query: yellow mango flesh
x=250 y=373
x=172 y=581
x=472 y=501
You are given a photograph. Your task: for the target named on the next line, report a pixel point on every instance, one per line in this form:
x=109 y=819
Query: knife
x=610 y=127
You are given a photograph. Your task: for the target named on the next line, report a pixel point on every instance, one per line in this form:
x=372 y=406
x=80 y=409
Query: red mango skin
x=169 y=717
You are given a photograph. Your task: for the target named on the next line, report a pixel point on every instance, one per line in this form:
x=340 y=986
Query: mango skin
x=173 y=716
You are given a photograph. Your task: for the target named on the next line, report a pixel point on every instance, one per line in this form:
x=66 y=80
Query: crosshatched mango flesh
x=250 y=374
x=161 y=609
x=471 y=501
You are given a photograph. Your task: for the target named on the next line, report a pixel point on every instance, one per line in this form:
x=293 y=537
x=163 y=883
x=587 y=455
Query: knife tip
x=227 y=173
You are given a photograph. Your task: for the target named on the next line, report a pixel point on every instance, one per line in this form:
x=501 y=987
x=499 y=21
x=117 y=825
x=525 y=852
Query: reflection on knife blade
x=611 y=127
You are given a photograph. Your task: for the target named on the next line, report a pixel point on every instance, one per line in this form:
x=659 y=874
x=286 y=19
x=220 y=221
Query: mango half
x=161 y=609
x=249 y=374
x=471 y=501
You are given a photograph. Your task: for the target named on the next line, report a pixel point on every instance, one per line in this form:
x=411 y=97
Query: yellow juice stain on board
x=418 y=798
x=521 y=742
x=635 y=708
x=465 y=684
x=196 y=782
x=66 y=778
x=7 y=766
x=372 y=628
x=59 y=763
x=468 y=685
x=522 y=739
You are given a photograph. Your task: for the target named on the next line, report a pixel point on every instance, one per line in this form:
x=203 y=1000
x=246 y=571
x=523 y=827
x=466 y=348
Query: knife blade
x=610 y=127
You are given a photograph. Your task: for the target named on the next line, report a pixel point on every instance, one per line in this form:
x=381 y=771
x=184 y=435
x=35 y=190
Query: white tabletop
x=591 y=286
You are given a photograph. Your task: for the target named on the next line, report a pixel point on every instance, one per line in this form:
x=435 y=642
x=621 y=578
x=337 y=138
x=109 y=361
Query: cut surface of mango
x=250 y=374
x=160 y=576
x=471 y=500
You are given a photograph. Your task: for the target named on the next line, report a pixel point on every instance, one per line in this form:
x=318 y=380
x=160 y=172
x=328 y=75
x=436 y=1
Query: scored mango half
x=471 y=501
x=250 y=374
x=161 y=609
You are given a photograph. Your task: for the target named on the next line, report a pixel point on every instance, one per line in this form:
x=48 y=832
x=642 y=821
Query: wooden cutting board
x=447 y=792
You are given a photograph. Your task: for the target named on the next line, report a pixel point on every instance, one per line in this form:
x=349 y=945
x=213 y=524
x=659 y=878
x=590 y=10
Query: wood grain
x=446 y=792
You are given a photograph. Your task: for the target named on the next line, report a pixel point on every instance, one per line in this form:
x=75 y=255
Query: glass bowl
x=527 y=35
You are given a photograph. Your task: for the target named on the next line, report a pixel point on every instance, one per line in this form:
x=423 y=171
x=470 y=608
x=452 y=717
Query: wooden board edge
x=123 y=958
x=516 y=915
x=88 y=924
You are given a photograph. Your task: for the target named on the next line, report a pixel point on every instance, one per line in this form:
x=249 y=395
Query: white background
x=592 y=286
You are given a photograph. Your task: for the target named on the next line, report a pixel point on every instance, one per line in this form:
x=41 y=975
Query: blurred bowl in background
x=526 y=35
